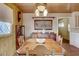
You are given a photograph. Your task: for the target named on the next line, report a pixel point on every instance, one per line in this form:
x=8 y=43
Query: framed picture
x=43 y=24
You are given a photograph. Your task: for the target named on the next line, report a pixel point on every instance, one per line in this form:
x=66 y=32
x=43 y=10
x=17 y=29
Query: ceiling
x=51 y=7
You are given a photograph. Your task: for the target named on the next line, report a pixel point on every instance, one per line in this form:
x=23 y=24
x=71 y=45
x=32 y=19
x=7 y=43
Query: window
x=5 y=28
x=61 y=24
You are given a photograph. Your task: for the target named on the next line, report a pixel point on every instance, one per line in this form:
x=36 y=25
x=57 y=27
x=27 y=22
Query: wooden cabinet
x=20 y=35
x=75 y=20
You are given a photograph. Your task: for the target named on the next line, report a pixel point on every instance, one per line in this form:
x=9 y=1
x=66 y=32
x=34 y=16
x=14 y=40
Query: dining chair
x=59 y=39
x=62 y=52
x=52 y=35
x=21 y=40
x=27 y=52
x=54 y=53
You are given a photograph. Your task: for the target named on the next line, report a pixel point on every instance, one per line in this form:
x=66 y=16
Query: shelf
x=43 y=17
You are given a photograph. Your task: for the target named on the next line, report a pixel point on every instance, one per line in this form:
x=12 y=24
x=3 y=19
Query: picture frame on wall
x=43 y=24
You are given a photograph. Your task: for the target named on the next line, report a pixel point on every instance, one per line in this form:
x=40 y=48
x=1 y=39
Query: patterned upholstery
x=50 y=35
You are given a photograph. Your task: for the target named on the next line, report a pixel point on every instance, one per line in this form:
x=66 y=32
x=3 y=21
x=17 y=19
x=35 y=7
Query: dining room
x=40 y=29
x=42 y=26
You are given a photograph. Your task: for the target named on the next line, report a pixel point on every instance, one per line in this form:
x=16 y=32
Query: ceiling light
x=45 y=12
x=36 y=12
x=41 y=10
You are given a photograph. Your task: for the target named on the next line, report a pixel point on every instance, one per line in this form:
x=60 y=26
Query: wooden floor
x=71 y=50
x=65 y=41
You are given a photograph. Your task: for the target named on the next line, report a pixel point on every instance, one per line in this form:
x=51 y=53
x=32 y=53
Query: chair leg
x=27 y=52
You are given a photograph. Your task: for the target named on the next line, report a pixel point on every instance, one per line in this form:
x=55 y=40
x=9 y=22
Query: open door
x=63 y=29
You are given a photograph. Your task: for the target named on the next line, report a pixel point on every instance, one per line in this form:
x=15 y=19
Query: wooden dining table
x=32 y=43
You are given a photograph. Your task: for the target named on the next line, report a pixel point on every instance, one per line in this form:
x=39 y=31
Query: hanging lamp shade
x=36 y=12
x=41 y=9
x=45 y=12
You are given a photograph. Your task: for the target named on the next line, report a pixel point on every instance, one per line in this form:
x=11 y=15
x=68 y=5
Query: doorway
x=63 y=29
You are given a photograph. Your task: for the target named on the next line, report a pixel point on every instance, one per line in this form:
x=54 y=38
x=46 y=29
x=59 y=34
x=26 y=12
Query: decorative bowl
x=40 y=40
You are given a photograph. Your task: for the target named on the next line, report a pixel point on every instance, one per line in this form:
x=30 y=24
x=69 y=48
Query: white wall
x=74 y=31
x=29 y=22
x=74 y=39
x=6 y=13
